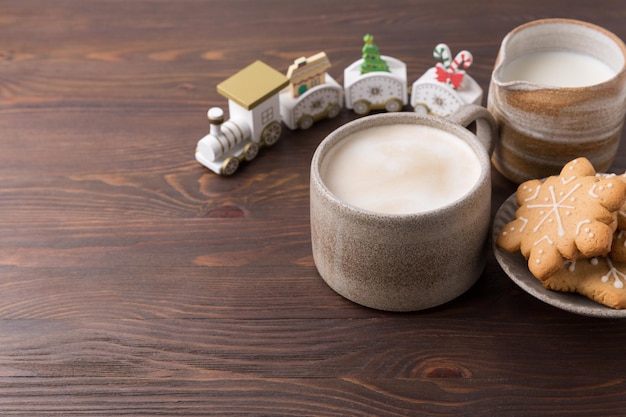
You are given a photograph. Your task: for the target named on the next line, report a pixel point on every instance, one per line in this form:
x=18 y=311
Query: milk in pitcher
x=558 y=69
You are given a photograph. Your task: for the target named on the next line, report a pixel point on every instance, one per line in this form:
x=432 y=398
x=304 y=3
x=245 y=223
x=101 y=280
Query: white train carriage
x=320 y=102
x=446 y=87
x=377 y=90
x=312 y=94
x=429 y=96
x=254 y=109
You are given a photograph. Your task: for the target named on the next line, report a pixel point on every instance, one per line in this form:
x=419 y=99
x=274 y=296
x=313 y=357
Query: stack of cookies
x=572 y=230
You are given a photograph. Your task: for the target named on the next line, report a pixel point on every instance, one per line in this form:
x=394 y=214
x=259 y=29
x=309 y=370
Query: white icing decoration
x=568 y=180
x=591 y=193
x=594 y=261
x=554 y=207
x=546 y=237
x=532 y=197
x=524 y=220
x=572 y=265
x=580 y=224
x=613 y=272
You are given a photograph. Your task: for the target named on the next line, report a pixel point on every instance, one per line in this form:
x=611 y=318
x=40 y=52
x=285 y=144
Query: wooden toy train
x=260 y=98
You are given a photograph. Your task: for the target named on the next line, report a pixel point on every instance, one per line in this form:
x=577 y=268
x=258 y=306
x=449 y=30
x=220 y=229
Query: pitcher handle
x=486 y=126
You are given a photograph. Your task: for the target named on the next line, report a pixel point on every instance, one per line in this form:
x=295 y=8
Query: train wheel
x=250 y=151
x=271 y=133
x=393 y=105
x=334 y=111
x=305 y=122
x=421 y=109
x=230 y=165
x=361 y=107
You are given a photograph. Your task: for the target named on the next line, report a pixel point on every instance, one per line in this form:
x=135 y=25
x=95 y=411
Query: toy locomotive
x=260 y=98
x=254 y=119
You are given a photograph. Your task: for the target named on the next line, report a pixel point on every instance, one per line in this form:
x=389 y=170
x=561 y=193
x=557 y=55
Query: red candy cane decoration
x=463 y=59
x=450 y=71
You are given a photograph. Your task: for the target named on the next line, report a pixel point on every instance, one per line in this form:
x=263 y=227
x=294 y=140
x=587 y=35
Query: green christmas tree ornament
x=372 y=61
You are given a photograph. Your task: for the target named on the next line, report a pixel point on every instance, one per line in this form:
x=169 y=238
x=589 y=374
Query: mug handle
x=486 y=127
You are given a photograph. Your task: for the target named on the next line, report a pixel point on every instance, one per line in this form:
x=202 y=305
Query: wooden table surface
x=134 y=281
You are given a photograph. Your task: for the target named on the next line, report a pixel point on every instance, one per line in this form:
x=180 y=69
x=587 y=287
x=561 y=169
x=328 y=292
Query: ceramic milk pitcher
x=558 y=92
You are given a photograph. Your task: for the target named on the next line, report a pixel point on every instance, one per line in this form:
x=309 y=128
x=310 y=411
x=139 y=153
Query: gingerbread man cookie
x=600 y=279
x=621 y=213
x=618 y=247
x=566 y=216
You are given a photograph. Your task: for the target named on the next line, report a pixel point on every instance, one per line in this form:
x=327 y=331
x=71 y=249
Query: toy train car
x=429 y=96
x=260 y=98
x=376 y=90
x=312 y=94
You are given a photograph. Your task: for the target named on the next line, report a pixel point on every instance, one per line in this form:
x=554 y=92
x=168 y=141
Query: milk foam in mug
x=400 y=169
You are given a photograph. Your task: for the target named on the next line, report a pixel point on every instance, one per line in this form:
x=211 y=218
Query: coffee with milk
x=400 y=169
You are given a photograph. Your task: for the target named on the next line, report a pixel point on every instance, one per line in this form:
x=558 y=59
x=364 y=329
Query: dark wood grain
x=133 y=281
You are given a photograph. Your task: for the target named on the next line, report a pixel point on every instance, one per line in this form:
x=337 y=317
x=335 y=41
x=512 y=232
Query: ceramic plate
x=516 y=267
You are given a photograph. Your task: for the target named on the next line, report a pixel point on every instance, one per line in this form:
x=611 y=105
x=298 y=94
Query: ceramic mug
x=558 y=92
x=402 y=261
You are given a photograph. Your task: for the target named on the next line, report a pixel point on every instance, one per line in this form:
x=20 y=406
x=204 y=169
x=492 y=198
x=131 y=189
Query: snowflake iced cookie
x=564 y=217
x=600 y=279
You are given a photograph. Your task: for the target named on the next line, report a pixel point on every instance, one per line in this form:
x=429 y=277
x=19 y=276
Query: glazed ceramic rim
x=566 y=21
x=403 y=118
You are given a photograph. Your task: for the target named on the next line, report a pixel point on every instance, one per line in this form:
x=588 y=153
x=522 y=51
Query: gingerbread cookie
x=618 y=247
x=600 y=279
x=621 y=213
x=566 y=216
